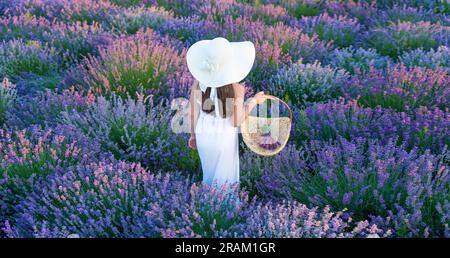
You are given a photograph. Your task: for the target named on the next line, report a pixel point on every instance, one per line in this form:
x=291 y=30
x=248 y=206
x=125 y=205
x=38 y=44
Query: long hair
x=223 y=93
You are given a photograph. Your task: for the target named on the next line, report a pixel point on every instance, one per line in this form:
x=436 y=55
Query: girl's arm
x=241 y=110
x=194 y=106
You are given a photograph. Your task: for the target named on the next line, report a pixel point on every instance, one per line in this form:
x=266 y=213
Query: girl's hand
x=192 y=143
x=259 y=98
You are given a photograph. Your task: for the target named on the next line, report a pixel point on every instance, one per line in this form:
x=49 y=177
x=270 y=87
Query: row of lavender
x=86 y=145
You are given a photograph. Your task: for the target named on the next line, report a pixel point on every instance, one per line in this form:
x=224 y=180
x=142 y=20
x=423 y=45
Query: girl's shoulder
x=195 y=85
x=239 y=89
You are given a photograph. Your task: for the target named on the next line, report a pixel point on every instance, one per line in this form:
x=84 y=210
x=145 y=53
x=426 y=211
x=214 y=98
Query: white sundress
x=217 y=145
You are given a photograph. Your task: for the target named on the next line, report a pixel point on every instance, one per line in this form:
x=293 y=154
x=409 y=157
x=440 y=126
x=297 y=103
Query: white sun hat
x=218 y=62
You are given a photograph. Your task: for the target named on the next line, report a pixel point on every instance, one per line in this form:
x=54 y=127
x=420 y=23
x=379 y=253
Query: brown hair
x=223 y=93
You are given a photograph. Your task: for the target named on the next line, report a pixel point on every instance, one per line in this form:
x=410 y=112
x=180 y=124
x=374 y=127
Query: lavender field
x=87 y=149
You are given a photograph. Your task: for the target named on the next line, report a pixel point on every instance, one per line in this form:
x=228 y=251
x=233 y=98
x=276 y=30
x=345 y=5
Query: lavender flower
x=98 y=200
x=105 y=13
x=270 y=14
x=131 y=20
x=66 y=11
x=179 y=7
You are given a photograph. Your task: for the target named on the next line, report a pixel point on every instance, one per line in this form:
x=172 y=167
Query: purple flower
x=347 y=198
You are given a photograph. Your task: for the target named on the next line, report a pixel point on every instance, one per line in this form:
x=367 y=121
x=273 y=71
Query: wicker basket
x=256 y=131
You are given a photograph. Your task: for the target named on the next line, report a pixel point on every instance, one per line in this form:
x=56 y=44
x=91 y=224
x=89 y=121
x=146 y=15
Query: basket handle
x=278 y=99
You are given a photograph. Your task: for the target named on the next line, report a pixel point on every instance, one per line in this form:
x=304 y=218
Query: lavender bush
x=269 y=59
x=98 y=200
x=365 y=11
x=19 y=60
x=180 y=7
x=131 y=3
x=270 y=14
x=426 y=129
x=436 y=6
x=379 y=181
x=357 y=60
x=400 y=88
x=306 y=83
x=199 y=211
x=188 y=29
x=291 y=219
x=136 y=131
x=340 y=29
x=66 y=11
x=26 y=157
x=410 y=14
x=291 y=40
x=430 y=59
x=134 y=19
x=7 y=97
x=106 y=13
x=399 y=37
x=217 y=11
x=136 y=64
x=303 y=8
x=45 y=108
x=77 y=39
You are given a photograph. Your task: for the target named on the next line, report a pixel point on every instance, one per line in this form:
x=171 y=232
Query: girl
x=217 y=105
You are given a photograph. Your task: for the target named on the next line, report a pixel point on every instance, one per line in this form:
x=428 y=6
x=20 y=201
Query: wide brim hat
x=218 y=62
